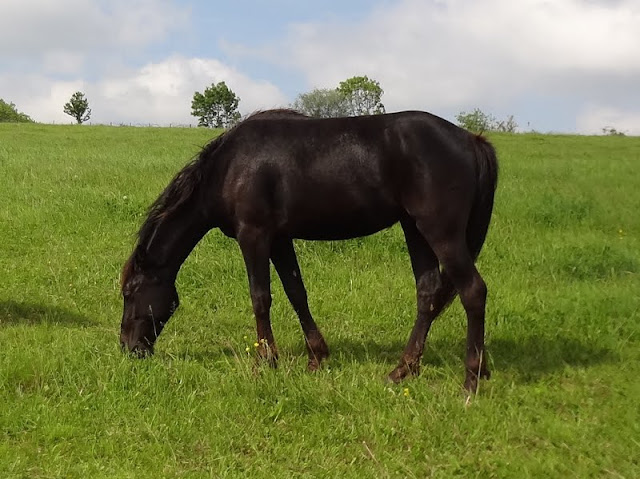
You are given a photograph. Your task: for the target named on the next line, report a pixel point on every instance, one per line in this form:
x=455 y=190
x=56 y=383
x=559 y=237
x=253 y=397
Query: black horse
x=280 y=175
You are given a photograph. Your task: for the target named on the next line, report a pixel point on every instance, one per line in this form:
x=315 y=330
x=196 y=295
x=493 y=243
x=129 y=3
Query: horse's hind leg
x=255 y=246
x=284 y=259
x=455 y=258
x=434 y=292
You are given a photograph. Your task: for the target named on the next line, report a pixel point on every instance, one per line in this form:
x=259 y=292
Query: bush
x=609 y=131
x=10 y=114
x=478 y=122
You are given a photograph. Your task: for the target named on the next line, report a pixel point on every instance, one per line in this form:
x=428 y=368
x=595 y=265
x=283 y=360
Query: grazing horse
x=279 y=175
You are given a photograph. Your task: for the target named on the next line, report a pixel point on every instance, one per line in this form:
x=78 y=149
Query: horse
x=280 y=175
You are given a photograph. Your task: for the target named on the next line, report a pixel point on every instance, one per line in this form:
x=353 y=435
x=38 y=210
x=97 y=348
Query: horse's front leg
x=255 y=245
x=284 y=259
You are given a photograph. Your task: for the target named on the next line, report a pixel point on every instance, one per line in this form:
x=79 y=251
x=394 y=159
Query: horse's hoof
x=313 y=365
x=471 y=385
x=269 y=355
x=472 y=380
x=401 y=372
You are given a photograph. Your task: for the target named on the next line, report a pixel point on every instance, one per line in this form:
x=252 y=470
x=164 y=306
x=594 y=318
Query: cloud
x=455 y=55
x=157 y=93
x=52 y=49
x=547 y=63
x=72 y=32
x=594 y=118
x=162 y=92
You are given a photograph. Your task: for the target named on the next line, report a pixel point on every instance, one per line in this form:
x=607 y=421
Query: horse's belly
x=343 y=225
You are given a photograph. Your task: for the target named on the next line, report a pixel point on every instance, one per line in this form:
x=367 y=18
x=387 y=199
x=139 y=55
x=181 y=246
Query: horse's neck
x=171 y=243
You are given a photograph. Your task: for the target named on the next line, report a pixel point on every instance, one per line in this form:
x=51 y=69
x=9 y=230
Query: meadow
x=561 y=261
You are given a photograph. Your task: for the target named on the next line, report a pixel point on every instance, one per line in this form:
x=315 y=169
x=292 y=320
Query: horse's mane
x=182 y=187
x=178 y=192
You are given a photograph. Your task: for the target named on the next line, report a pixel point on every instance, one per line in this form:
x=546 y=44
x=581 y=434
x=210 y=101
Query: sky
x=566 y=66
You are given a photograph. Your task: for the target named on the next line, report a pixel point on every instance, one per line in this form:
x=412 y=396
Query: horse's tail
x=487 y=181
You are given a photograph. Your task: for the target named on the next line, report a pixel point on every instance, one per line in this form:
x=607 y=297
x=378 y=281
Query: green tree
x=476 y=121
x=217 y=107
x=10 y=114
x=321 y=103
x=78 y=107
x=362 y=96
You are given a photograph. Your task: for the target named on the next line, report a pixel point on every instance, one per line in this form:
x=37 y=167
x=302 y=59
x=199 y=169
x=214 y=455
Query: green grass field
x=561 y=261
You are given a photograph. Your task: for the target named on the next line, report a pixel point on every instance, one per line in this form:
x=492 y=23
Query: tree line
x=217 y=106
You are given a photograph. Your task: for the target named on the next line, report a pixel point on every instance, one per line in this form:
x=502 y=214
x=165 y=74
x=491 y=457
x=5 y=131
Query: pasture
x=561 y=261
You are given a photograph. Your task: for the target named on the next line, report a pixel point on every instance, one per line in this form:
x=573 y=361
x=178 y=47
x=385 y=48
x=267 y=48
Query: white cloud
x=594 y=118
x=542 y=61
x=162 y=92
x=62 y=62
x=445 y=56
x=157 y=93
x=32 y=28
x=53 y=49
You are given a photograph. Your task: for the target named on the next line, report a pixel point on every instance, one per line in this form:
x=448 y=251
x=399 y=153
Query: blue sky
x=564 y=66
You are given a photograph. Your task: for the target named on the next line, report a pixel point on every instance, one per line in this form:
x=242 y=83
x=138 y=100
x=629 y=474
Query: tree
x=610 y=131
x=10 y=114
x=478 y=122
x=217 y=107
x=78 y=107
x=321 y=103
x=507 y=126
x=362 y=96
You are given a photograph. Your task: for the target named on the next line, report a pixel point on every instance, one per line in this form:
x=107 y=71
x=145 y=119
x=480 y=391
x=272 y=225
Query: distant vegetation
x=321 y=103
x=78 y=107
x=10 y=114
x=479 y=122
x=609 y=131
x=216 y=107
x=355 y=96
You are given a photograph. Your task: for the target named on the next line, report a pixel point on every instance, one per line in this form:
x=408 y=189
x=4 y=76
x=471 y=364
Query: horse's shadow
x=528 y=359
x=19 y=313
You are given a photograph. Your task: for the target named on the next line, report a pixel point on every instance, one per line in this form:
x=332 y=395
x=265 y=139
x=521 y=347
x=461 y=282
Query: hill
x=563 y=329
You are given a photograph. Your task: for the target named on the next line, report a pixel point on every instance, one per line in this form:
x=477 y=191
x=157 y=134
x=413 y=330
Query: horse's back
x=337 y=178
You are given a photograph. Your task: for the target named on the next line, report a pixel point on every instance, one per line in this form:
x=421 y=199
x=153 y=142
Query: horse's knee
x=261 y=302
x=474 y=294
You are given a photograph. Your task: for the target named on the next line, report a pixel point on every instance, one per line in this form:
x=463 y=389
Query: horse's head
x=149 y=302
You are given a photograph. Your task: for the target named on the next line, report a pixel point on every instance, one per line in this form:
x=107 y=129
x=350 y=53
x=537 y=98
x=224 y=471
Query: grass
x=562 y=266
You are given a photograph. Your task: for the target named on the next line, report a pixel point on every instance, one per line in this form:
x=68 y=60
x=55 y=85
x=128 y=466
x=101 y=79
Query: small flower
x=405 y=392
x=247 y=349
x=255 y=345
